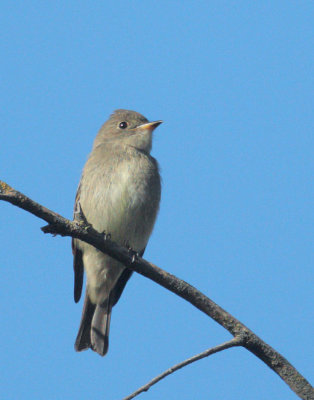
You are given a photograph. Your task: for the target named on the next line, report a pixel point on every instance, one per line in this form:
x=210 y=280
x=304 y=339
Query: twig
x=236 y=341
x=62 y=226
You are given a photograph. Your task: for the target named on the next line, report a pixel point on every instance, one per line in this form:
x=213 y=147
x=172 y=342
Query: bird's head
x=127 y=128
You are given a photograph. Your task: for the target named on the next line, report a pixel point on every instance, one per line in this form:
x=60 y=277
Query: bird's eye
x=123 y=125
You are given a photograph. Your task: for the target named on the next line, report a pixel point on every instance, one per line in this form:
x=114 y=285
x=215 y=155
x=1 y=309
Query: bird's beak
x=149 y=125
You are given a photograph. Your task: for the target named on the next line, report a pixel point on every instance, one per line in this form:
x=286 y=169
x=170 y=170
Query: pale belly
x=124 y=206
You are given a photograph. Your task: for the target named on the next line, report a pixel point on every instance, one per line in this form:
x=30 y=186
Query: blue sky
x=233 y=82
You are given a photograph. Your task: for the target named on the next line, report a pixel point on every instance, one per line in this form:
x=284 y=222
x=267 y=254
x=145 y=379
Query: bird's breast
x=123 y=199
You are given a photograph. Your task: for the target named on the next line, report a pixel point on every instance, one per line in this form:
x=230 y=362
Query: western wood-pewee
x=119 y=193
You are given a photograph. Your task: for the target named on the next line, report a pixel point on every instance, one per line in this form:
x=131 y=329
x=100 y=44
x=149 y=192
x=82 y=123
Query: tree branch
x=64 y=227
x=236 y=341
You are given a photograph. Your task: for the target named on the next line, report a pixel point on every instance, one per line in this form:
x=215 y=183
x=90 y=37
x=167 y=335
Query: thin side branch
x=236 y=341
x=62 y=226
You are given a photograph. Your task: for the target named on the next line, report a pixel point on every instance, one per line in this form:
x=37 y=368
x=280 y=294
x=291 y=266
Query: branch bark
x=236 y=341
x=64 y=227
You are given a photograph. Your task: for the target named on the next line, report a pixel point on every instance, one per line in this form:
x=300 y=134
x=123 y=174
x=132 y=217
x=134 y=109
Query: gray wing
x=78 y=266
x=120 y=285
x=77 y=256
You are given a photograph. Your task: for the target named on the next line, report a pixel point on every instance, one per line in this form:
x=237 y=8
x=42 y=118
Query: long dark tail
x=94 y=328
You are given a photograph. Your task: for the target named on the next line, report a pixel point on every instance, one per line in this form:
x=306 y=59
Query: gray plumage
x=119 y=193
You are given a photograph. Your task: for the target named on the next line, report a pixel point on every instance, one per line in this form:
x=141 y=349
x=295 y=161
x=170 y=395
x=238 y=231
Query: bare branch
x=62 y=226
x=236 y=341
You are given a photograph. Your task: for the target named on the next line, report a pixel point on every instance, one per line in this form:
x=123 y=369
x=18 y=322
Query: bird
x=118 y=194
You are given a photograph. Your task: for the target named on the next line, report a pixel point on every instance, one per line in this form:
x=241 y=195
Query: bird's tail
x=94 y=328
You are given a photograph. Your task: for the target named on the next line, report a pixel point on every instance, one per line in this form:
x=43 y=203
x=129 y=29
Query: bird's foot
x=80 y=217
x=107 y=236
x=133 y=253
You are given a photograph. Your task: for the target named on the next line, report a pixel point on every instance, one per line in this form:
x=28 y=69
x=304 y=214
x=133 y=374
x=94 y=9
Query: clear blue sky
x=233 y=82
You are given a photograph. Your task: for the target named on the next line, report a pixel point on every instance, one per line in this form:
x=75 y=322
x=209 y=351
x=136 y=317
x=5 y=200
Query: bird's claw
x=134 y=254
x=107 y=236
x=80 y=217
x=135 y=257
